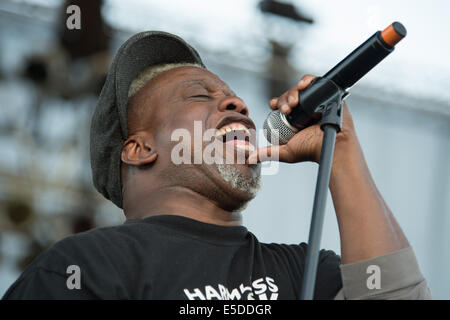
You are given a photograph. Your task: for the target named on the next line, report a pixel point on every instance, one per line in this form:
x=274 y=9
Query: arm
x=399 y=278
x=370 y=235
x=367 y=227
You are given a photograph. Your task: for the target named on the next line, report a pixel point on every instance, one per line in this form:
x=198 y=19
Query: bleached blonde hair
x=149 y=73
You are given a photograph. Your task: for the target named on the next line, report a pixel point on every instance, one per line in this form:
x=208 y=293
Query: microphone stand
x=330 y=124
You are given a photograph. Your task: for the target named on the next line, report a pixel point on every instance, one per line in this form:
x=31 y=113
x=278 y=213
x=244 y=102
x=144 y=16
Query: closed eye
x=201 y=96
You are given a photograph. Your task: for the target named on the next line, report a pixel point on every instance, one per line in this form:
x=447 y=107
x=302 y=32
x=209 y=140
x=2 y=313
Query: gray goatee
x=237 y=180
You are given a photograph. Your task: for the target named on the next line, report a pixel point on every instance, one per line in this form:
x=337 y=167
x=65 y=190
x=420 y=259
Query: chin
x=244 y=181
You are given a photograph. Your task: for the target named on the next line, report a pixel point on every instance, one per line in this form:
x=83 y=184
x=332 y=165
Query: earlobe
x=137 y=151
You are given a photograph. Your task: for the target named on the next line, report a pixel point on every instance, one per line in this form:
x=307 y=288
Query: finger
x=273 y=103
x=283 y=105
x=305 y=81
x=269 y=153
x=292 y=97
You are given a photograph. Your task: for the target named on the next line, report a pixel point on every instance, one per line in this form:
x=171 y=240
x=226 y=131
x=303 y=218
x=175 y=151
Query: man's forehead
x=184 y=77
x=189 y=76
x=207 y=83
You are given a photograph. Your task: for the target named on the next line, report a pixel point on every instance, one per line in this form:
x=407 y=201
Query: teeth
x=224 y=130
x=220 y=132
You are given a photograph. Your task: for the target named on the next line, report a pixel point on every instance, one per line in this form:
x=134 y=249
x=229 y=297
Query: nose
x=233 y=104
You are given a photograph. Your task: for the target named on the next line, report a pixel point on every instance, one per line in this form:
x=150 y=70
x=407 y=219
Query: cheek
x=187 y=122
x=177 y=129
x=193 y=116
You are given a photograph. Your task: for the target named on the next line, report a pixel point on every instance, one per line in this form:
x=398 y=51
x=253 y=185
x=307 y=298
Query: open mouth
x=235 y=134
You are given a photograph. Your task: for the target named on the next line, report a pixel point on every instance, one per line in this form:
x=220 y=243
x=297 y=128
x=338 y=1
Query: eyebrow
x=202 y=83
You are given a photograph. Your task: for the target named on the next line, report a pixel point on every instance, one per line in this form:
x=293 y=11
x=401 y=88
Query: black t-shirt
x=172 y=257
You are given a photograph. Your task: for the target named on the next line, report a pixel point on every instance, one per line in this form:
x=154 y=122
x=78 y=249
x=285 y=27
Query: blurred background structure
x=50 y=78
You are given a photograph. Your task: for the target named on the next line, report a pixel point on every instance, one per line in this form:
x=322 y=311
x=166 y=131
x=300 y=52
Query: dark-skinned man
x=183 y=237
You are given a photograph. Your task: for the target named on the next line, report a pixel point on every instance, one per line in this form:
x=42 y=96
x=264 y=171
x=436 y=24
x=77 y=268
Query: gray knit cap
x=109 y=122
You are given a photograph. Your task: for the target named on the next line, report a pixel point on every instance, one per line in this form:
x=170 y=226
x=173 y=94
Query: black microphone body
x=344 y=75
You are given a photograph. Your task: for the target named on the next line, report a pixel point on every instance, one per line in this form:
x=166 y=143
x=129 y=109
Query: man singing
x=183 y=237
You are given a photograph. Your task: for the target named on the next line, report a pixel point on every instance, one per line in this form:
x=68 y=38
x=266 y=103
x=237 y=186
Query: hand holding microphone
x=306 y=144
x=299 y=109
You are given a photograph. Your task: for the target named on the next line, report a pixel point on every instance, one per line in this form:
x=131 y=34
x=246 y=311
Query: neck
x=179 y=201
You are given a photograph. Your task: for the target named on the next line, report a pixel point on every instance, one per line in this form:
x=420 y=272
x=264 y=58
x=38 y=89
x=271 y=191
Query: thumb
x=269 y=153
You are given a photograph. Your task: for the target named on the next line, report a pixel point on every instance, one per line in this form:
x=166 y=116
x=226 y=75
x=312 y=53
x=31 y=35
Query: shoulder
x=104 y=257
x=99 y=249
x=111 y=239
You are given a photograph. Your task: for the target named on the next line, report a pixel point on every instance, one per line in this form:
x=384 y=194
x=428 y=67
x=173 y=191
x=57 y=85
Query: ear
x=137 y=151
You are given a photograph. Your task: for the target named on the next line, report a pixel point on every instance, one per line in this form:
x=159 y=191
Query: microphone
x=344 y=75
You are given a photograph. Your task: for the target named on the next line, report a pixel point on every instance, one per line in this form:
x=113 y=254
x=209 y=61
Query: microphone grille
x=275 y=126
